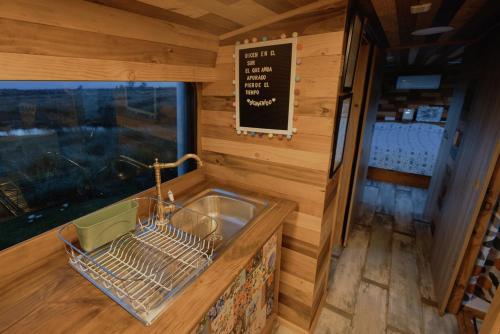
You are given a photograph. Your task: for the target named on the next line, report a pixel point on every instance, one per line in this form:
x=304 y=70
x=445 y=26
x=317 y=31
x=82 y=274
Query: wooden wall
x=295 y=169
x=79 y=40
x=476 y=159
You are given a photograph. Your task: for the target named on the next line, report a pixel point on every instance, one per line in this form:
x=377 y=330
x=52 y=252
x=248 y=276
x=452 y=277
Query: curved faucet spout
x=163 y=165
x=158 y=166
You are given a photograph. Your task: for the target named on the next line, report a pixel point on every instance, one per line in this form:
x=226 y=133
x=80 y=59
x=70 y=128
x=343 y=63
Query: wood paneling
x=295 y=169
x=464 y=14
x=387 y=13
x=476 y=160
x=86 y=16
x=265 y=22
x=311 y=129
x=178 y=6
x=292 y=285
x=392 y=176
x=277 y=6
x=311 y=23
x=316 y=178
x=221 y=17
x=15 y=66
x=79 y=40
x=303 y=227
x=41 y=39
x=243 y=11
x=443 y=158
x=210 y=23
x=287 y=156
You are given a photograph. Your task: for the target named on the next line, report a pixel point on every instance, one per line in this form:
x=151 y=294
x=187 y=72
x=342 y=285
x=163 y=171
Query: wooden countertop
x=41 y=293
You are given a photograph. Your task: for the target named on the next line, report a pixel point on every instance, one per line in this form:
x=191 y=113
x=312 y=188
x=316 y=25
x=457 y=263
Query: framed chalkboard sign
x=265 y=84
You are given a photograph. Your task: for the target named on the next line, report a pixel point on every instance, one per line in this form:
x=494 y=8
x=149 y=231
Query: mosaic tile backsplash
x=248 y=302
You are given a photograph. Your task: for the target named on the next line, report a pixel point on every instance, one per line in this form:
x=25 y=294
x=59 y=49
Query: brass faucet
x=158 y=166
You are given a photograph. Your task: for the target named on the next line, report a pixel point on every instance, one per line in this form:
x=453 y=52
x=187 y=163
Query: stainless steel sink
x=231 y=211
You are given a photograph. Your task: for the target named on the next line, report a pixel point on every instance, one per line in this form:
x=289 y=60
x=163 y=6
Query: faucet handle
x=170 y=195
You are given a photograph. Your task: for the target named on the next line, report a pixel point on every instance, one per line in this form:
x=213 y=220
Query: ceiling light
x=422 y=8
x=432 y=31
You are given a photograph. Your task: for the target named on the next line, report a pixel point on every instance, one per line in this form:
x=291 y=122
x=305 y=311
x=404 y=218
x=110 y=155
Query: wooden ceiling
x=395 y=22
x=391 y=18
x=213 y=16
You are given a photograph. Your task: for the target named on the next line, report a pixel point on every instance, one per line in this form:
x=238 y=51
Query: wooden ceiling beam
x=318 y=5
x=425 y=20
x=406 y=20
x=243 y=11
x=406 y=24
x=430 y=44
x=374 y=27
x=177 y=6
x=205 y=23
x=464 y=14
x=387 y=13
x=456 y=15
x=277 y=6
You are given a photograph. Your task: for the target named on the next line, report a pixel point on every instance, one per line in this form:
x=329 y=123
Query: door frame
x=367 y=121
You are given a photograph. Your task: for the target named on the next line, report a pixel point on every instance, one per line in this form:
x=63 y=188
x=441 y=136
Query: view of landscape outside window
x=70 y=148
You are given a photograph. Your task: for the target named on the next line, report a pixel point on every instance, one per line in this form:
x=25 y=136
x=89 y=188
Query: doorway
x=431 y=194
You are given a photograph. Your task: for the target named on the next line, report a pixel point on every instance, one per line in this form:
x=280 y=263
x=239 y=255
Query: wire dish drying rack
x=143 y=269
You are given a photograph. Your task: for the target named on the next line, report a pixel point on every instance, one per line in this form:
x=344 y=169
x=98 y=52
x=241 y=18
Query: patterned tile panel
x=248 y=302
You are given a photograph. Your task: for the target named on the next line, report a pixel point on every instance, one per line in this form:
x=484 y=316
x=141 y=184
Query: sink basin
x=231 y=211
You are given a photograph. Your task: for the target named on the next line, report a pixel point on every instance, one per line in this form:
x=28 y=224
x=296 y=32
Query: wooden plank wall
x=295 y=169
x=476 y=161
x=79 y=40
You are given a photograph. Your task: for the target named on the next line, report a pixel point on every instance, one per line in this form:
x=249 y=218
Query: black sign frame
x=288 y=131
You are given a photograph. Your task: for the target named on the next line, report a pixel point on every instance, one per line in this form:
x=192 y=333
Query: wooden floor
x=381 y=283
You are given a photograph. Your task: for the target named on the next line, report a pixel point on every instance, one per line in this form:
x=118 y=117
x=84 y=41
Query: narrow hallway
x=381 y=283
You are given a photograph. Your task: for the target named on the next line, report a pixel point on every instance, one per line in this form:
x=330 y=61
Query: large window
x=70 y=148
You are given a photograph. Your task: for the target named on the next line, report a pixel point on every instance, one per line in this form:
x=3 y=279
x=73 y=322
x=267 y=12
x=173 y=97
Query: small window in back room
x=70 y=148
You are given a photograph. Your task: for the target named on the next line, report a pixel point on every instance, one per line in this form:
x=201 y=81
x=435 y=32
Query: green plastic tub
x=105 y=225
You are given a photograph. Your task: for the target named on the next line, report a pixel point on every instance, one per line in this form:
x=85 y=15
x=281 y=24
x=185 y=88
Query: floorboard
x=349 y=269
x=378 y=259
x=381 y=282
x=433 y=323
x=370 y=310
x=386 y=198
x=405 y=305
x=418 y=198
x=370 y=196
x=423 y=242
x=331 y=322
x=403 y=213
